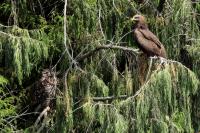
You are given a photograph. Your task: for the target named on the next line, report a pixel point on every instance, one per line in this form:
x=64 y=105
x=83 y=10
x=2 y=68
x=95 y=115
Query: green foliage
x=158 y=104
x=177 y=29
x=86 y=29
x=7 y=107
x=163 y=104
x=91 y=86
x=22 y=49
x=5 y=8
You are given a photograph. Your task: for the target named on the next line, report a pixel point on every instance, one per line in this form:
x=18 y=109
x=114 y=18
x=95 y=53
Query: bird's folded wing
x=150 y=36
x=147 y=45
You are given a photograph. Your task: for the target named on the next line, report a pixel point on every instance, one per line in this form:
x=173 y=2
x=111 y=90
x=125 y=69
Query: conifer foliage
x=88 y=47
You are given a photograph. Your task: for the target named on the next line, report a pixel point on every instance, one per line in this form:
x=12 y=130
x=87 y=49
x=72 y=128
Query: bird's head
x=138 y=19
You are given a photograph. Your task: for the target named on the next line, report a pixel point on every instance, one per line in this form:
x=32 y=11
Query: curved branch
x=43 y=113
x=90 y=53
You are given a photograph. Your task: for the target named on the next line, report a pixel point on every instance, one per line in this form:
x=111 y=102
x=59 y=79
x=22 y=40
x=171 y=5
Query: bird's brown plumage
x=146 y=40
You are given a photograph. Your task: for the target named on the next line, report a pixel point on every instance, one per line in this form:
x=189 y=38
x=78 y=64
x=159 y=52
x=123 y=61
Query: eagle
x=145 y=39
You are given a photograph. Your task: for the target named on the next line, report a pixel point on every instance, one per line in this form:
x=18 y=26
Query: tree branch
x=88 y=54
x=43 y=113
x=105 y=98
x=109 y=98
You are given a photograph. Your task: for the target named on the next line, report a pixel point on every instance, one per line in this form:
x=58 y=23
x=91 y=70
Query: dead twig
x=43 y=113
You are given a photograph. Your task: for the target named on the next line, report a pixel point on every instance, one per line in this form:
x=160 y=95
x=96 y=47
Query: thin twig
x=109 y=98
x=14 y=12
x=125 y=35
x=1 y=25
x=43 y=113
x=100 y=24
x=106 y=98
x=65 y=34
x=41 y=8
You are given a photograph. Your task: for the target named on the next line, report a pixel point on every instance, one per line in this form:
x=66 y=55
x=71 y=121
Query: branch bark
x=88 y=54
x=109 y=98
x=106 y=98
x=43 y=113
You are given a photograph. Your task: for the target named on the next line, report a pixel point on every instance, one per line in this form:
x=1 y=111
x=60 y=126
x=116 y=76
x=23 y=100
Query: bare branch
x=100 y=24
x=14 y=12
x=134 y=51
x=43 y=113
x=65 y=34
x=105 y=98
x=109 y=98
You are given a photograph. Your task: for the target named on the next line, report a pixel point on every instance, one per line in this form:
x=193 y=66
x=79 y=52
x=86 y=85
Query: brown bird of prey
x=145 y=39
